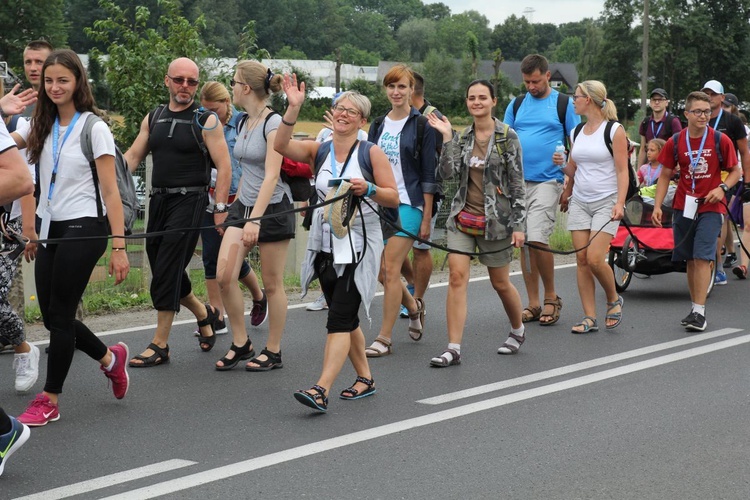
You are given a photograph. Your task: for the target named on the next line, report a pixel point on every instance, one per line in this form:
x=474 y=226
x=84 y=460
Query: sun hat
x=340 y=213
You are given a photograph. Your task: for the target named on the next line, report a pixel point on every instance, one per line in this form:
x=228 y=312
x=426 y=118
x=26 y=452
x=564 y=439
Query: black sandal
x=317 y=401
x=159 y=357
x=240 y=353
x=273 y=361
x=352 y=393
x=212 y=315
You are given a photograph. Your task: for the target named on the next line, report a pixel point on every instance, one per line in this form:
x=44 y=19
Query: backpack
x=296 y=174
x=562 y=109
x=632 y=182
x=717 y=147
x=363 y=157
x=125 y=182
x=668 y=119
x=500 y=139
x=196 y=127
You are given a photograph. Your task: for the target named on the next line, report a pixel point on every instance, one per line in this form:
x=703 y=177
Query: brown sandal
x=531 y=314
x=416 y=333
x=557 y=307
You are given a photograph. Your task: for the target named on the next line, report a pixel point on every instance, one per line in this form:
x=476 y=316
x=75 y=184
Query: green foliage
x=22 y=21
x=286 y=52
x=452 y=33
x=516 y=37
x=440 y=71
x=375 y=93
x=139 y=57
x=619 y=57
x=416 y=37
x=358 y=57
x=98 y=82
x=569 y=50
x=248 y=48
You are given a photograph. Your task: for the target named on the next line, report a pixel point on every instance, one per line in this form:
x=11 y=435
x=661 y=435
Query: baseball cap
x=731 y=99
x=660 y=92
x=715 y=86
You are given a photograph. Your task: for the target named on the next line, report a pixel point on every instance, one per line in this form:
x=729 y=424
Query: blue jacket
x=419 y=173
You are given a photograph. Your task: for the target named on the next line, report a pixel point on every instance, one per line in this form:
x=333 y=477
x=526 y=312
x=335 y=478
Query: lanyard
x=695 y=159
x=655 y=135
x=656 y=174
x=718 y=119
x=346 y=162
x=57 y=150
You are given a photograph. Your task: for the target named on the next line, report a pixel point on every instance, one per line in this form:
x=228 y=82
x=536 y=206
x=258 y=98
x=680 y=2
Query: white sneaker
x=27 y=369
x=319 y=304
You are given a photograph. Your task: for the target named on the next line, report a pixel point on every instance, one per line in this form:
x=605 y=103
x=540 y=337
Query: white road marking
x=228 y=471
x=565 y=370
x=110 y=480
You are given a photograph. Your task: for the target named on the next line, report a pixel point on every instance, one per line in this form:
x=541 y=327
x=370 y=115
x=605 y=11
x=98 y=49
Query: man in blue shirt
x=541 y=118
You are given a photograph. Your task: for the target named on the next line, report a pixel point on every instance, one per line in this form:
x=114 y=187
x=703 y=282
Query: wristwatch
x=220 y=208
x=724 y=187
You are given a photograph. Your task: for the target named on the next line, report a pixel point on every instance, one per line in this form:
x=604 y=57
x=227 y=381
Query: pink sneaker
x=40 y=412
x=119 y=373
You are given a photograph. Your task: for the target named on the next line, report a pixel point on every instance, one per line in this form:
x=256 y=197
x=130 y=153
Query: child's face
x=652 y=153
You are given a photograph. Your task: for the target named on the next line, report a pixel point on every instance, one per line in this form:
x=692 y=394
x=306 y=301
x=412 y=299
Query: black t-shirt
x=731 y=125
x=178 y=158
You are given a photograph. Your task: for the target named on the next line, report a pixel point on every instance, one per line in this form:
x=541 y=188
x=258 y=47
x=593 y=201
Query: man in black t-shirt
x=178 y=199
x=660 y=125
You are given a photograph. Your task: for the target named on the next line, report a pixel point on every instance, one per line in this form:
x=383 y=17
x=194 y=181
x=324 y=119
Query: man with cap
x=733 y=127
x=660 y=125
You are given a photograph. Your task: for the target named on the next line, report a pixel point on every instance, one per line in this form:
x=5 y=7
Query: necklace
x=248 y=135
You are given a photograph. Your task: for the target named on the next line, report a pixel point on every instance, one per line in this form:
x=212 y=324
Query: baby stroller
x=645 y=249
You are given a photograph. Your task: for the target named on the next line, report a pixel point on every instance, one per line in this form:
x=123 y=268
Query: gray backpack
x=125 y=183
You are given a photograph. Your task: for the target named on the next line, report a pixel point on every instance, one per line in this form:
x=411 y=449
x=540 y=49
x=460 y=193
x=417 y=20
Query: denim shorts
x=695 y=238
x=595 y=216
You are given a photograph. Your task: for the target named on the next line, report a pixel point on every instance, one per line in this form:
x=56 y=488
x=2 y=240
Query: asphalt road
x=646 y=411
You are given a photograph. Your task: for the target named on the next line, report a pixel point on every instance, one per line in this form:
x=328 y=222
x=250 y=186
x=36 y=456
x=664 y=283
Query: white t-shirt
x=595 y=177
x=390 y=143
x=6 y=141
x=74 y=194
x=22 y=127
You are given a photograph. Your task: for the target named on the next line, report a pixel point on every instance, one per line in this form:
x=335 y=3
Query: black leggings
x=5 y=423
x=62 y=273
x=341 y=294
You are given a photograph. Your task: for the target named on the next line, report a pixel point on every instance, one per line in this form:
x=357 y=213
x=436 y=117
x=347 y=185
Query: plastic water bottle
x=560 y=148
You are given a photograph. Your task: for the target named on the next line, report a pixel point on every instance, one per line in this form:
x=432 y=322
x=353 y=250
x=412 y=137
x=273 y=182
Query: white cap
x=715 y=86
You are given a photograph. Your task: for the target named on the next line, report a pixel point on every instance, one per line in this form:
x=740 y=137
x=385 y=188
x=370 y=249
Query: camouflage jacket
x=504 y=187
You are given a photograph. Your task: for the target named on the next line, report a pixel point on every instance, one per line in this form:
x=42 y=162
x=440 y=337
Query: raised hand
x=295 y=94
x=14 y=104
x=442 y=125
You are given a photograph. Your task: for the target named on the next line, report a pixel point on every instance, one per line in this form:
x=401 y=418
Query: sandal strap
x=367 y=381
x=211 y=316
x=382 y=340
x=321 y=393
x=273 y=357
x=518 y=338
x=161 y=351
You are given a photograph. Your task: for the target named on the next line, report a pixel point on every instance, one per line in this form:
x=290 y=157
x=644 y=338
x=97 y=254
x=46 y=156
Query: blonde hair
x=597 y=92
x=216 y=92
x=361 y=102
x=260 y=79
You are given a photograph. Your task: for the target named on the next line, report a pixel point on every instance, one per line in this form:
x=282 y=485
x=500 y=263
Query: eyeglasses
x=657 y=99
x=578 y=97
x=700 y=112
x=350 y=112
x=180 y=80
x=234 y=82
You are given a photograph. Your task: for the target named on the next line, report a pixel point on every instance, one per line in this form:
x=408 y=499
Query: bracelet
x=117 y=249
x=288 y=124
x=256 y=222
x=370 y=189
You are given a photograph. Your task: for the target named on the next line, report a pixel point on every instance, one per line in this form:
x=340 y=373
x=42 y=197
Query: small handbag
x=470 y=224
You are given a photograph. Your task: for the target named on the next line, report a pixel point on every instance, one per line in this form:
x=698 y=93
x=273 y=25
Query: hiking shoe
x=220 y=327
x=40 y=412
x=27 y=369
x=730 y=260
x=259 y=313
x=740 y=271
x=721 y=278
x=319 y=304
x=696 y=322
x=118 y=375
x=404 y=312
x=12 y=441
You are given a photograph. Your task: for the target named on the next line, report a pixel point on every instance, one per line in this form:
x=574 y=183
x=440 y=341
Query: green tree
x=416 y=37
x=452 y=33
x=352 y=55
x=587 y=66
x=436 y=11
x=619 y=55
x=248 y=47
x=98 y=81
x=569 y=50
x=287 y=52
x=547 y=37
x=516 y=37
x=441 y=73
x=139 y=57
x=25 y=20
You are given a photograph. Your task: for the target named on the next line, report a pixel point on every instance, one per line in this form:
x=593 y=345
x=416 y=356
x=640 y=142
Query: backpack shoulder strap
x=421 y=125
x=501 y=138
x=265 y=123
x=365 y=163
x=154 y=116
x=562 y=110
x=88 y=153
x=517 y=104
x=429 y=109
x=13 y=123
x=608 y=136
x=717 y=137
x=577 y=131
x=320 y=156
x=241 y=122
x=675 y=145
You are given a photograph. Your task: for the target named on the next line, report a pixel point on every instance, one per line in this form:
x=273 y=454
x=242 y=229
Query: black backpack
x=717 y=147
x=562 y=109
x=668 y=119
x=125 y=182
x=632 y=183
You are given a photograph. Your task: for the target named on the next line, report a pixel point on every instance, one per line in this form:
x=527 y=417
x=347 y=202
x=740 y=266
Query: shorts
x=278 y=228
x=211 y=242
x=341 y=293
x=410 y=219
x=595 y=216
x=696 y=237
x=542 y=199
x=422 y=246
x=503 y=249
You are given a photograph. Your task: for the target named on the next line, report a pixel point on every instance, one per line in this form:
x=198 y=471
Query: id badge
x=691 y=207
x=44 y=233
x=342 y=249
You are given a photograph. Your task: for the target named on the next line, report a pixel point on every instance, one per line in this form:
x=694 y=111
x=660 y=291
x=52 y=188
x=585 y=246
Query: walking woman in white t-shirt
x=68 y=209
x=598 y=181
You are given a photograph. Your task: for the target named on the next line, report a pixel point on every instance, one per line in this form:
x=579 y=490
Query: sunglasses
x=179 y=80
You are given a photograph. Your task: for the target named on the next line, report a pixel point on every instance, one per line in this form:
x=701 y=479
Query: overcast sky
x=545 y=11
